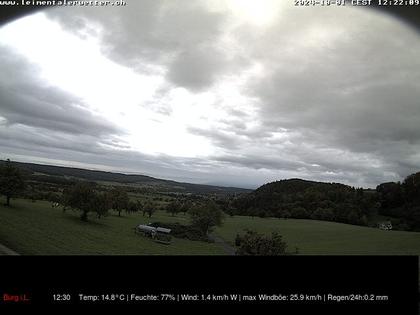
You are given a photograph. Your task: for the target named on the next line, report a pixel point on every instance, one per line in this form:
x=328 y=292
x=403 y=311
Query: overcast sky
x=238 y=92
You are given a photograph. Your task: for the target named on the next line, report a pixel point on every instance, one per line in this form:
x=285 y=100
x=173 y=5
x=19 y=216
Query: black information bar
x=360 y=283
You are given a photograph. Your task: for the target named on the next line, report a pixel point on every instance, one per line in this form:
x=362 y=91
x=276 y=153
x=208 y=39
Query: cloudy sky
x=231 y=92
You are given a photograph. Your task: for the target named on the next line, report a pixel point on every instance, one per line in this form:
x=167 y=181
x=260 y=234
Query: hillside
x=302 y=199
x=63 y=175
x=35 y=228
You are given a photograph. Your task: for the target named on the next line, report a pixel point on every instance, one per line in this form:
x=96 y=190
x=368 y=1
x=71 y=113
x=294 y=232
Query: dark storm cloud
x=350 y=89
x=182 y=36
x=196 y=69
x=25 y=99
x=260 y=162
x=343 y=83
x=337 y=97
x=218 y=137
x=36 y=138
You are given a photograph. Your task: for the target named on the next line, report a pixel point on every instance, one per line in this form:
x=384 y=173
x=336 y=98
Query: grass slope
x=36 y=228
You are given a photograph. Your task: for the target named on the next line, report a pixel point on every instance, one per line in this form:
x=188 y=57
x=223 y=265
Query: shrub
x=253 y=243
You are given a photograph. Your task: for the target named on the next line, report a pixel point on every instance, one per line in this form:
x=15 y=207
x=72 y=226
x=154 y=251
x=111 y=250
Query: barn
x=158 y=234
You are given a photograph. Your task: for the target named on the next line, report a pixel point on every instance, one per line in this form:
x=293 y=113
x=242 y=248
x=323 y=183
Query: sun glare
x=112 y=91
x=260 y=12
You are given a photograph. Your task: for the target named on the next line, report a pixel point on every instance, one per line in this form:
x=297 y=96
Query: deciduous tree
x=119 y=199
x=206 y=216
x=11 y=181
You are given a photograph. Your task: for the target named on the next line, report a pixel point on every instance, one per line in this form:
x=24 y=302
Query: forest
x=302 y=199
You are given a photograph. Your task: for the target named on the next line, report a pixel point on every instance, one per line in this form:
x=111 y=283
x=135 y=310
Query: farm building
x=158 y=234
x=387 y=225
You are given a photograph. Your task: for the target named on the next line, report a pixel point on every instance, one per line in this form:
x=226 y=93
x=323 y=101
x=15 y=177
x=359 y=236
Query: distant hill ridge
x=288 y=198
x=296 y=184
x=95 y=175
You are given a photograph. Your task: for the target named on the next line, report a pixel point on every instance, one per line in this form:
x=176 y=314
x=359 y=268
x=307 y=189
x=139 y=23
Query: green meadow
x=35 y=228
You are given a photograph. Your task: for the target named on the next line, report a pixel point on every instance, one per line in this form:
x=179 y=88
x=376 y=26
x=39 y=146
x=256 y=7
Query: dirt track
x=7 y=251
x=229 y=250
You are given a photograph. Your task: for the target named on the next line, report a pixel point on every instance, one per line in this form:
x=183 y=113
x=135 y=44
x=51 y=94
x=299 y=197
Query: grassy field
x=37 y=228
x=327 y=238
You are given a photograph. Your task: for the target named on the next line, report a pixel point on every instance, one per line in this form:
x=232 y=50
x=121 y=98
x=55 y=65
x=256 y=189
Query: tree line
x=84 y=198
x=402 y=200
x=301 y=199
